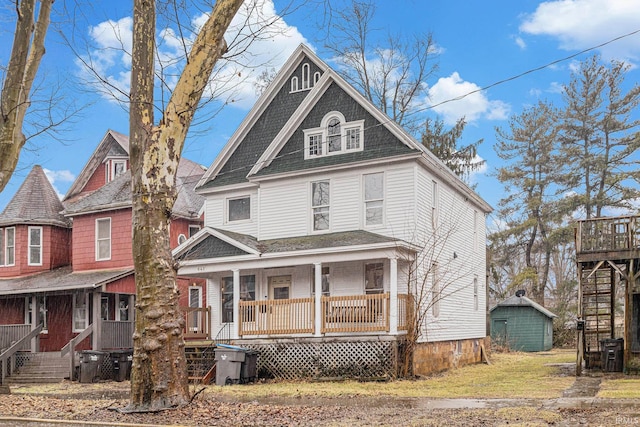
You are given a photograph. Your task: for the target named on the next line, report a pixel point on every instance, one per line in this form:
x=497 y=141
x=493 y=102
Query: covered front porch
x=331 y=285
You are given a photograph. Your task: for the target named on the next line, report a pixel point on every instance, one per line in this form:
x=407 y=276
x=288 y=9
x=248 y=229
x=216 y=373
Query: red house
x=67 y=265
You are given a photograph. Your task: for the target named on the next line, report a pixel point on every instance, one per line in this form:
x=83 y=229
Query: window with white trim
x=80 y=311
x=2 y=249
x=320 y=205
x=239 y=209
x=316 y=77
x=193 y=229
x=8 y=247
x=181 y=239
x=434 y=205
x=374 y=278
x=334 y=136
x=305 y=76
x=294 y=84
x=374 y=198
x=435 y=290
x=195 y=301
x=103 y=239
x=122 y=314
x=35 y=246
x=40 y=316
x=475 y=293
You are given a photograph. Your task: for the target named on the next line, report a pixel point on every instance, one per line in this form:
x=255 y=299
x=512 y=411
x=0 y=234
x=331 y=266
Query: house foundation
x=433 y=357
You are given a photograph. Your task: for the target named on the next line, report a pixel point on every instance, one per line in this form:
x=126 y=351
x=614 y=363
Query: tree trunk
x=26 y=54
x=159 y=374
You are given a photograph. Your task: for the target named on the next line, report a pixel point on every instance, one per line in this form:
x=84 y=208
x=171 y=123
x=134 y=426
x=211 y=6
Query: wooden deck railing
x=355 y=313
x=271 y=317
x=197 y=322
x=608 y=234
x=405 y=311
x=352 y=313
x=9 y=334
x=117 y=334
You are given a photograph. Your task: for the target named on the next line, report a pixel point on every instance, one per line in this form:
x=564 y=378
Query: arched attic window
x=334 y=136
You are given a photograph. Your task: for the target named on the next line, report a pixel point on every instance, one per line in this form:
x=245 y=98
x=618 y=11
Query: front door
x=279 y=291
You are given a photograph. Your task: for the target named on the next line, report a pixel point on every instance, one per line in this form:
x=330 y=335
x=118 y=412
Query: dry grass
x=510 y=375
x=620 y=388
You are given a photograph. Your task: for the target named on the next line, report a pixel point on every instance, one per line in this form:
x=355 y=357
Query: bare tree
x=435 y=273
x=159 y=376
x=392 y=75
x=26 y=54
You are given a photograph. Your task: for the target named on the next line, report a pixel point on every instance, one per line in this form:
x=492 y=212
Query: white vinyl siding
x=285 y=209
x=215 y=213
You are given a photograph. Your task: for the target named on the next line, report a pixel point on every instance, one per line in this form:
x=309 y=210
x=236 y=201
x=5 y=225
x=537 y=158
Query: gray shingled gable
x=117 y=194
x=35 y=202
x=210 y=246
x=378 y=141
x=260 y=136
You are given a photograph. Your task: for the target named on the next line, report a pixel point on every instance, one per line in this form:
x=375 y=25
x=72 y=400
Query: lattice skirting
x=341 y=359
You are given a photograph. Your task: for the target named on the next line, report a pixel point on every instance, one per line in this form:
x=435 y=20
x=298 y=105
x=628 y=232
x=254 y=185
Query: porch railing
x=117 y=334
x=271 y=317
x=7 y=359
x=9 y=334
x=608 y=234
x=340 y=314
x=406 y=309
x=197 y=322
x=355 y=313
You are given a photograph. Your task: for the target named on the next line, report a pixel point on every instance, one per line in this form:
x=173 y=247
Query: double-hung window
x=8 y=246
x=320 y=205
x=103 y=239
x=35 y=246
x=373 y=198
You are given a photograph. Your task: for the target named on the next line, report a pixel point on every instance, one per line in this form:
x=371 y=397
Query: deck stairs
x=598 y=292
x=39 y=368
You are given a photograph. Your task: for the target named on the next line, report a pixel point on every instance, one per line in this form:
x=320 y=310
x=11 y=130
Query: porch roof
x=60 y=279
x=214 y=247
x=222 y=249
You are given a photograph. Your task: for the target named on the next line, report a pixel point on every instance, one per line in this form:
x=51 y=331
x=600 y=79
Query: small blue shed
x=522 y=324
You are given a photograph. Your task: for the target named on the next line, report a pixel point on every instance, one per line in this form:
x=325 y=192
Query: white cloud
x=453 y=99
x=54 y=177
x=520 y=42
x=581 y=24
x=275 y=42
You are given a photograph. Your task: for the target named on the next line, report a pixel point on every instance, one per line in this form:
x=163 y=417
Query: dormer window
x=114 y=168
x=334 y=136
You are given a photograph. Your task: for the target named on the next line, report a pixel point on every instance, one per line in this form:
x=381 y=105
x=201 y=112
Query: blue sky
x=479 y=44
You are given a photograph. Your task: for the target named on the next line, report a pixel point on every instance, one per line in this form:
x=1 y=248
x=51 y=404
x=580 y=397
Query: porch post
x=96 y=336
x=318 y=298
x=393 y=296
x=35 y=314
x=236 y=304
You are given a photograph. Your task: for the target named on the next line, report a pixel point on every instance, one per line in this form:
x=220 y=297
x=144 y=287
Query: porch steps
x=39 y=368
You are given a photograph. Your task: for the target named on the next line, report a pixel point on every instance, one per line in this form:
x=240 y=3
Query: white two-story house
x=331 y=235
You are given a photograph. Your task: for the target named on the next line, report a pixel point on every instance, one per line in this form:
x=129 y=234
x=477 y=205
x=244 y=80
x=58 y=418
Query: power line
x=533 y=70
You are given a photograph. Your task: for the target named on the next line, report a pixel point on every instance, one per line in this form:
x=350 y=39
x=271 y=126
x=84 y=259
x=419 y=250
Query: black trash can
x=122 y=360
x=612 y=351
x=249 y=369
x=90 y=363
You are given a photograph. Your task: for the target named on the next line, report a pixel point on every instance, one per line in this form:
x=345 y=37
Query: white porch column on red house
x=96 y=336
x=393 y=296
x=236 y=304
x=318 y=298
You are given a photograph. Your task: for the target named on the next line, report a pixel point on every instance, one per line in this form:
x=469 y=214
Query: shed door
x=499 y=331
